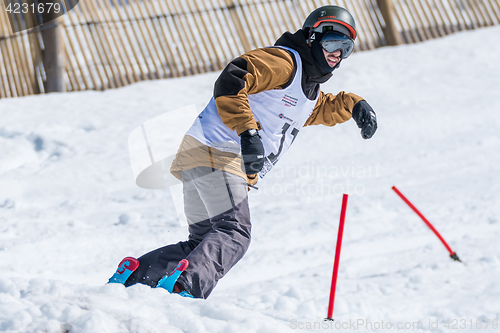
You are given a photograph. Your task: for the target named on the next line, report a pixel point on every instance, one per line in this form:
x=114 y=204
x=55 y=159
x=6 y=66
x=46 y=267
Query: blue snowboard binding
x=126 y=267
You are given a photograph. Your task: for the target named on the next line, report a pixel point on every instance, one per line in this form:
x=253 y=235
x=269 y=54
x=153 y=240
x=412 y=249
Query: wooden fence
x=112 y=43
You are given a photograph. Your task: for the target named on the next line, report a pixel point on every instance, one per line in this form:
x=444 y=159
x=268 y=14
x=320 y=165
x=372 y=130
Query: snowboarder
x=261 y=101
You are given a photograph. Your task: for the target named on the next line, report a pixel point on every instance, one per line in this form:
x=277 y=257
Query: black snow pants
x=216 y=207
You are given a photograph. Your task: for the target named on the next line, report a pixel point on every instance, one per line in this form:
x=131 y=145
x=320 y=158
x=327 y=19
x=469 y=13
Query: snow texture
x=70 y=210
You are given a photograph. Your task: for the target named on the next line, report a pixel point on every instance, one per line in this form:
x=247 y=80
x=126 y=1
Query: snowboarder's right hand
x=252 y=151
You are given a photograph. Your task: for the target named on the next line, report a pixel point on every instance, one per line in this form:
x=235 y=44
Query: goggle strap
x=351 y=29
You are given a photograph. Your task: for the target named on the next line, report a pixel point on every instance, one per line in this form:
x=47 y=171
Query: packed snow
x=70 y=209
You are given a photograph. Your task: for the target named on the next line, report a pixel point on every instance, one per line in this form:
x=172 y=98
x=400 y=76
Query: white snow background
x=70 y=210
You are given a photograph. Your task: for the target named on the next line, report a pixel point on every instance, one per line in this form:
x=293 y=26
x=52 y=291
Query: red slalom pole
x=337 y=258
x=453 y=254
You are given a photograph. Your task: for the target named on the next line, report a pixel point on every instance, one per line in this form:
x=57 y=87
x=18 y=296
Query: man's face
x=332 y=58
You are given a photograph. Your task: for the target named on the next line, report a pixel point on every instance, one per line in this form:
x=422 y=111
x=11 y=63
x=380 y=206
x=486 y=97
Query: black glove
x=252 y=151
x=365 y=118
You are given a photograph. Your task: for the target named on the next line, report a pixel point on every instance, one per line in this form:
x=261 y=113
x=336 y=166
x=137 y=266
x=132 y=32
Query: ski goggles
x=334 y=41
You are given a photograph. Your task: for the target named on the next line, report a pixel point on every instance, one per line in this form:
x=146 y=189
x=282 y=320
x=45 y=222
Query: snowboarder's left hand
x=252 y=151
x=365 y=118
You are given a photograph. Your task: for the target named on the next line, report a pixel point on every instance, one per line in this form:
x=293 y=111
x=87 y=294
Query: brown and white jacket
x=254 y=72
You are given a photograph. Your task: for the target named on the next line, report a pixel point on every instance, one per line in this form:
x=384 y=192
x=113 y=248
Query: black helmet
x=331 y=18
x=319 y=23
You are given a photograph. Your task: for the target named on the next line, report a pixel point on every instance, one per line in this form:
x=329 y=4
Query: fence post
x=52 y=55
x=231 y=6
x=391 y=33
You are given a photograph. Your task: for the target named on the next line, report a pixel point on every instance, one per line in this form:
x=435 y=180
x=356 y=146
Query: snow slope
x=70 y=211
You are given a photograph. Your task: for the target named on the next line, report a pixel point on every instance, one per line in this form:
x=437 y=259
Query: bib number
x=272 y=158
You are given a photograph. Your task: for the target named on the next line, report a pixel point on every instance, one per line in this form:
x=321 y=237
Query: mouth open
x=333 y=61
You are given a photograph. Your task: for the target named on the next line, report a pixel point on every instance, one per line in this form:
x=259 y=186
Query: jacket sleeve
x=331 y=110
x=253 y=72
